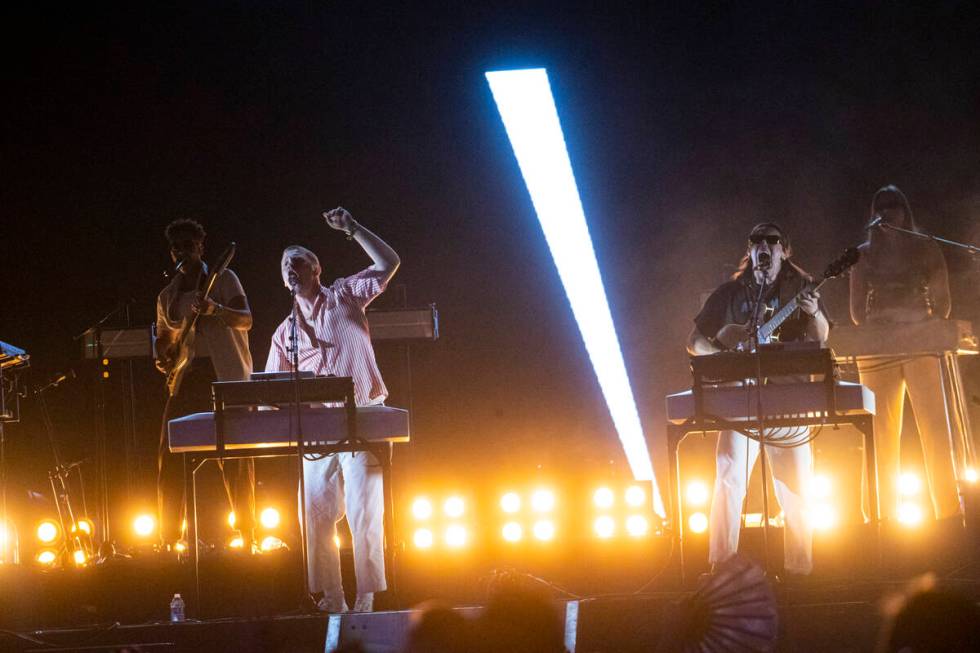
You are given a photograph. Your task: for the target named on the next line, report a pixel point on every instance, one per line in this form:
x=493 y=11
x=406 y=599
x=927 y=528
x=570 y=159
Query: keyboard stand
x=316 y=390
x=676 y=433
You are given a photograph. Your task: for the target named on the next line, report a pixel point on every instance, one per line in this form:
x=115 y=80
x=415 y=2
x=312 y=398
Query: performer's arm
x=384 y=258
x=233 y=312
x=699 y=345
x=165 y=339
x=818 y=327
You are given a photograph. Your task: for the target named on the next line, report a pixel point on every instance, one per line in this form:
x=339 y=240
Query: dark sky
x=685 y=126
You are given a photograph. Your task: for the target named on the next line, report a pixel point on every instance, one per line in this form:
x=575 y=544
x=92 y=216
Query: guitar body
x=184 y=353
x=184 y=347
x=737 y=337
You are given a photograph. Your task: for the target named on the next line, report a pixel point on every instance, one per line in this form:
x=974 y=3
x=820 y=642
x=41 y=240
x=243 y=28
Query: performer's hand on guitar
x=808 y=301
x=203 y=305
x=341 y=220
x=166 y=355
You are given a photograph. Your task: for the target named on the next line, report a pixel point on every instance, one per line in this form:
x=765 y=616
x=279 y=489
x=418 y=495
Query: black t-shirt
x=732 y=302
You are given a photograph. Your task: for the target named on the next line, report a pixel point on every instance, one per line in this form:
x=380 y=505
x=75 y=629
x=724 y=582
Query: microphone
x=876 y=221
x=764 y=261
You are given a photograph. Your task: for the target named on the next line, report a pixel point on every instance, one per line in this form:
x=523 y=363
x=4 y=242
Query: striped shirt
x=334 y=338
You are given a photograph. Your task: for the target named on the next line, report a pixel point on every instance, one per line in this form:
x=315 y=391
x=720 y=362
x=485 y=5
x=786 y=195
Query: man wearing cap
x=767 y=274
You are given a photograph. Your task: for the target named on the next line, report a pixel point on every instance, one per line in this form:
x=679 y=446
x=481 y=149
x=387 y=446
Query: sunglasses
x=771 y=239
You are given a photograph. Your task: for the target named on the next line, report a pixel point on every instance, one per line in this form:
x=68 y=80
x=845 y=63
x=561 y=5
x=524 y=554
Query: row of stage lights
x=532 y=517
x=51 y=547
x=822 y=512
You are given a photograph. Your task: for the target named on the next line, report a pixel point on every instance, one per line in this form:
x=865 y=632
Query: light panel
x=528 y=111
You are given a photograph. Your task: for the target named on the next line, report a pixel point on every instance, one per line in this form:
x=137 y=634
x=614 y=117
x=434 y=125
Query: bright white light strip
x=528 y=111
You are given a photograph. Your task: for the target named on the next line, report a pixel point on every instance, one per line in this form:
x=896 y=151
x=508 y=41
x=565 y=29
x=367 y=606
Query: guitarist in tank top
x=218 y=351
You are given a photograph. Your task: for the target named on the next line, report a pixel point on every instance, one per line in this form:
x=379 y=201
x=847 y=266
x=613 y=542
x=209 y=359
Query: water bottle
x=176 y=609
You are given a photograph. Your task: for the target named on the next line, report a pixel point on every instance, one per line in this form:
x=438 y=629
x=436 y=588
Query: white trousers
x=348 y=483
x=791 y=470
x=922 y=378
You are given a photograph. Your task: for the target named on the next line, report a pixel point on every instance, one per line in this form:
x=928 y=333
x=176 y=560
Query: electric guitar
x=184 y=345
x=736 y=337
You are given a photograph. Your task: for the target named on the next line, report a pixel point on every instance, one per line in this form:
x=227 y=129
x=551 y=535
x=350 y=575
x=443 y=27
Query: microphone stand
x=760 y=420
x=972 y=249
x=300 y=455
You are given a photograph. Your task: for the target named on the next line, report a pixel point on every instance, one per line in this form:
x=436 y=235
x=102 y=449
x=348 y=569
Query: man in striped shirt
x=333 y=338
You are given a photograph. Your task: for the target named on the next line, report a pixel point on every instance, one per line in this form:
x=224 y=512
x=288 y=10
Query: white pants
x=351 y=483
x=791 y=469
x=922 y=377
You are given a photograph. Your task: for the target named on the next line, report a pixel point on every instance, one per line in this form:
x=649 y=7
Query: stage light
x=543 y=500
x=510 y=502
x=821 y=486
x=144 y=525
x=697 y=493
x=637 y=525
x=180 y=546
x=604 y=526
x=4 y=535
x=232 y=519
x=970 y=475
x=83 y=525
x=635 y=496
x=698 y=522
x=336 y=541
x=527 y=108
x=455 y=536
x=544 y=530
x=909 y=484
x=909 y=514
x=512 y=532
x=423 y=538
x=46 y=557
x=823 y=517
x=79 y=557
x=47 y=531
x=269 y=518
x=454 y=507
x=603 y=498
x=237 y=542
x=422 y=508
x=271 y=543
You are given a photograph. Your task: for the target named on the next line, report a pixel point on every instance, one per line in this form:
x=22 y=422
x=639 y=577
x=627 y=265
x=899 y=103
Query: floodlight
x=455 y=536
x=909 y=514
x=603 y=498
x=909 y=484
x=823 y=517
x=604 y=527
x=544 y=530
x=697 y=493
x=528 y=111
x=232 y=519
x=83 y=525
x=423 y=538
x=637 y=525
x=144 y=525
x=237 y=542
x=635 y=496
x=269 y=518
x=543 y=500
x=422 y=508
x=510 y=502
x=821 y=487
x=970 y=475
x=271 y=543
x=454 y=507
x=79 y=557
x=698 y=522
x=46 y=557
x=47 y=531
x=512 y=532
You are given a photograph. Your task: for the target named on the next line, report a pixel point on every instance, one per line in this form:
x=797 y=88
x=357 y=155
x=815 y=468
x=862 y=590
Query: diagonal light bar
x=528 y=111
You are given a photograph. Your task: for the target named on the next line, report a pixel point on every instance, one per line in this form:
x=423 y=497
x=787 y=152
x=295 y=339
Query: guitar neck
x=767 y=329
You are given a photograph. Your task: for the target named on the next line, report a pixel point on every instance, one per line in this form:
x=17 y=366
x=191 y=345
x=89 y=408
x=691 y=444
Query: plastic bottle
x=176 y=609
